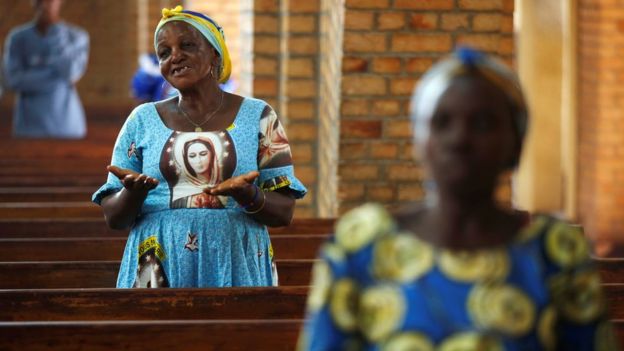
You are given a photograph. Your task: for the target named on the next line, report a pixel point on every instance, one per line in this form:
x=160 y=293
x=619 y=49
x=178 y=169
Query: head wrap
x=207 y=27
x=465 y=62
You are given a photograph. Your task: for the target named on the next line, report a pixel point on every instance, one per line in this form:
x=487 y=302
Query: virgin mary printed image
x=192 y=162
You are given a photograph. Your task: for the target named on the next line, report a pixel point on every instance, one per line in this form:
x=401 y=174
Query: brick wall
x=388 y=44
x=601 y=116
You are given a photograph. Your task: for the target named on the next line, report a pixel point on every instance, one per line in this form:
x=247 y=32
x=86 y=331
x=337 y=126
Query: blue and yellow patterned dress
x=377 y=287
x=182 y=236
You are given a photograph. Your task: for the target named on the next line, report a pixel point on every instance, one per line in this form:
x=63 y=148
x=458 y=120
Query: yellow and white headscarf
x=207 y=27
x=465 y=61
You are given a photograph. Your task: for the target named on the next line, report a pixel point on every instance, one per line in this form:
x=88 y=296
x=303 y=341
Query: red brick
x=358 y=20
x=265 y=66
x=363 y=85
x=387 y=65
x=351 y=191
x=355 y=107
x=398 y=129
x=266 y=45
x=302 y=23
x=354 y=64
x=301 y=67
x=385 y=151
x=301 y=110
x=487 y=22
x=365 y=42
x=360 y=129
x=367 y=4
x=303 y=44
x=386 y=107
x=302 y=153
x=402 y=86
x=301 y=88
x=404 y=172
x=419 y=43
x=486 y=42
x=481 y=4
x=419 y=64
x=391 y=20
x=423 y=21
x=424 y=4
x=410 y=192
x=265 y=86
x=381 y=193
x=266 y=24
x=306 y=174
x=302 y=132
x=266 y=6
x=309 y=6
x=358 y=172
x=353 y=151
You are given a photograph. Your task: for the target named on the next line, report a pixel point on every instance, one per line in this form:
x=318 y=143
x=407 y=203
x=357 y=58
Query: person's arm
x=126 y=187
x=122 y=207
x=19 y=77
x=72 y=55
x=581 y=321
x=271 y=208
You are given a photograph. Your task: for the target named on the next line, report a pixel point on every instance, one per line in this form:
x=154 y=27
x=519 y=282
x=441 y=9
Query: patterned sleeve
x=337 y=317
x=274 y=156
x=330 y=318
x=126 y=154
x=579 y=304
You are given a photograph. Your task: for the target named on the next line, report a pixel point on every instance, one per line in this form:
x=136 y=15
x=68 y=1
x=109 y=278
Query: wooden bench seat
x=187 y=335
x=49 y=209
x=152 y=304
x=46 y=193
x=204 y=303
x=95 y=226
x=103 y=274
x=106 y=249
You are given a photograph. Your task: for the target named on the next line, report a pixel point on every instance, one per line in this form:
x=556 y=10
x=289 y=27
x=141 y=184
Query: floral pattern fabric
x=378 y=287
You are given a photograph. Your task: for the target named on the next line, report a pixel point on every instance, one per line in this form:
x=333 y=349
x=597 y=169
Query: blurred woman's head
x=469 y=120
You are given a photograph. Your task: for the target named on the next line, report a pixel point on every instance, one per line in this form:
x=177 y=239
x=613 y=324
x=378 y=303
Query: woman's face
x=199 y=158
x=471 y=139
x=184 y=55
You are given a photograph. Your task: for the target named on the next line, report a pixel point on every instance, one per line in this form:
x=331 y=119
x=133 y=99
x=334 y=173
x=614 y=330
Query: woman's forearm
x=122 y=208
x=275 y=211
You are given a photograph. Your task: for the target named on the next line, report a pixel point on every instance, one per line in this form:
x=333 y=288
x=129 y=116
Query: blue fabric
x=147 y=84
x=43 y=71
x=193 y=241
x=436 y=308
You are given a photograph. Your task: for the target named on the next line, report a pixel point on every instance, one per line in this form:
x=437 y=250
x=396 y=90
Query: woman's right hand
x=133 y=181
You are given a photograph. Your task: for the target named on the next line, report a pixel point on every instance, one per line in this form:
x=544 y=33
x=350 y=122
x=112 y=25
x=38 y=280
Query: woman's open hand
x=239 y=187
x=132 y=180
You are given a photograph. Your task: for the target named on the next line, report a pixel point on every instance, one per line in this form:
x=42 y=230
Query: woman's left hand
x=240 y=187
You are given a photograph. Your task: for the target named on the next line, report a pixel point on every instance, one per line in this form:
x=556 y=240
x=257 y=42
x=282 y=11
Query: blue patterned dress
x=377 y=287
x=183 y=237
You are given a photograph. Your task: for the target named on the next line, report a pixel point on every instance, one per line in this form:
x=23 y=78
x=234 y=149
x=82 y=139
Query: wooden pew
x=206 y=303
x=152 y=304
x=49 y=209
x=258 y=334
x=46 y=193
x=106 y=249
x=103 y=274
x=95 y=226
x=611 y=269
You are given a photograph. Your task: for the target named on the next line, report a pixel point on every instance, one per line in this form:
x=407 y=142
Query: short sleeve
x=126 y=154
x=274 y=156
x=576 y=291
